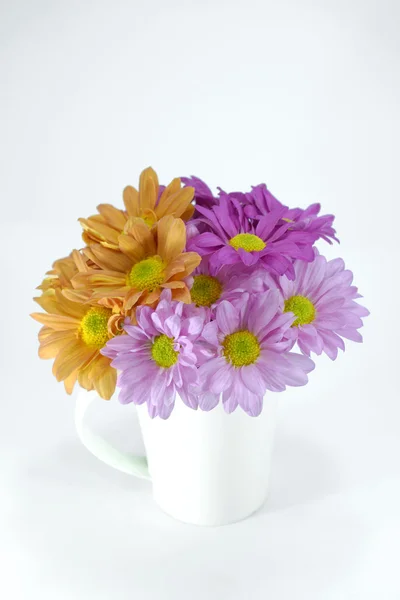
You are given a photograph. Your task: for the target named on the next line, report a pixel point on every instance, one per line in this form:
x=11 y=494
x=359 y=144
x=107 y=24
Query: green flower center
x=241 y=348
x=303 y=308
x=147 y=274
x=248 y=242
x=205 y=290
x=93 y=328
x=162 y=351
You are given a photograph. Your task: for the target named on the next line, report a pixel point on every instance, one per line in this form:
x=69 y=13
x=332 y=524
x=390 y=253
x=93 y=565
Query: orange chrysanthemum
x=146 y=262
x=147 y=204
x=60 y=274
x=73 y=334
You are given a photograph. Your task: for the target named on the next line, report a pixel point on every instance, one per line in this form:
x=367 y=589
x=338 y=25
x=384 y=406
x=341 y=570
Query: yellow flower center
x=248 y=242
x=241 y=348
x=147 y=274
x=303 y=308
x=205 y=290
x=93 y=328
x=149 y=219
x=163 y=353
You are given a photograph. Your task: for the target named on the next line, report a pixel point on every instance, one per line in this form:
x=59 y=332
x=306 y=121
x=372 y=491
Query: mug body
x=209 y=468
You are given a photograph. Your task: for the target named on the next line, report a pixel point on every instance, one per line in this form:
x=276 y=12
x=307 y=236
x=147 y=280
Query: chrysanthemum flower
x=73 y=334
x=323 y=302
x=147 y=262
x=60 y=274
x=232 y=238
x=260 y=202
x=249 y=354
x=150 y=203
x=212 y=285
x=156 y=358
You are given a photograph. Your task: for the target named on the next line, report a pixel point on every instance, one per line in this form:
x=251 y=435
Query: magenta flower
x=203 y=195
x=260 y=202
x=248 y=354
x=156 y=358
x=270 y=242
x=323 y=301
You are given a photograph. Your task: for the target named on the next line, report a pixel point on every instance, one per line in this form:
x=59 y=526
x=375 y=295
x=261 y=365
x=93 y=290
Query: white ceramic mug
x=207 y=468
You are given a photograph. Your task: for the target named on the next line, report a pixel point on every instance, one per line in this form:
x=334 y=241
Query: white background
x=302 y=95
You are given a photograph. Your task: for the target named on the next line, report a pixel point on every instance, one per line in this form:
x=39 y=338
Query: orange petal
x=99 y=279
x=44 y=333
x=48 y=302
x=109 y=260
x=176 y=204
x=74 y=356
x=57 y=322
x=84 y=378
x=131 y=299
x=131 y=248
x=171 y=236
x=142 y=235
x=175 y=266
x=172 y=285
x=191 y=260
x=82 y=296
x=148 y=189
x=131 y=201
x=188 y=214
x=70 y=382
x=113 y=293
x=100 y=231
x=105 y=381
x=182 y=295
x=70 y=308
x=113 y=216
x=51 y=346
x=171 y=189
x=80 y=261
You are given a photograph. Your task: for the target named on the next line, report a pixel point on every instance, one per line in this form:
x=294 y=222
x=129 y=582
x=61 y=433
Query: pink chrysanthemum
x=248 y=354
x=211 y=285
x=156 y=357
x=233 y=238
x=323 y=301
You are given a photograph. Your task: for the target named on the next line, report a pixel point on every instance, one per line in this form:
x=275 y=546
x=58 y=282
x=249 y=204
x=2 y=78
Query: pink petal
x=227 y=317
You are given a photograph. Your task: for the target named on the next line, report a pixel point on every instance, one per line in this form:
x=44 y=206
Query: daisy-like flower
x=233 y=238
x=146 y=262
x=260 y=202
x=73 y=334
x=150 y=203
x=249 y=354
x=60 y=274
x=212 y=285
x=322 y=298
x=156 y=358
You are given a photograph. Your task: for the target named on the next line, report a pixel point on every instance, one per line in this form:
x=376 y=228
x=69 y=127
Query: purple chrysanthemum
x=202 y=194
x=232 y=238
x=248 y=354
x=156 y=357
x=323 y=301
x=260 y=202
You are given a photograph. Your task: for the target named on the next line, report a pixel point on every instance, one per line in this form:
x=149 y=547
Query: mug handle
x=103 y=450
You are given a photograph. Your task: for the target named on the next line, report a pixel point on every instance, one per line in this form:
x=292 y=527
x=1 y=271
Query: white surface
x=209 y=468
x=303 y=95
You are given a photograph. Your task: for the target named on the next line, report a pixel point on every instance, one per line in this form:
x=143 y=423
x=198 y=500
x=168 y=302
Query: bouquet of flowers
x=206 y=298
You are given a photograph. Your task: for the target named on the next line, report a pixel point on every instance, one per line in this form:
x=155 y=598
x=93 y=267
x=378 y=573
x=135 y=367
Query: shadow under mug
x=206 y=468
